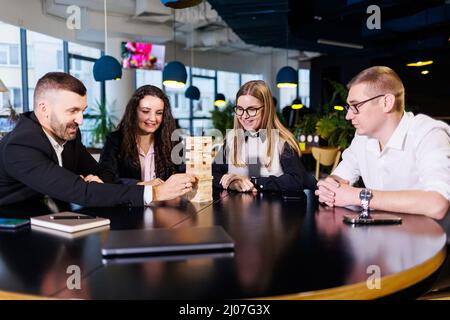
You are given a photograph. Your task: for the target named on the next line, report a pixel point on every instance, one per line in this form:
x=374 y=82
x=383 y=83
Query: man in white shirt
x=404 y=160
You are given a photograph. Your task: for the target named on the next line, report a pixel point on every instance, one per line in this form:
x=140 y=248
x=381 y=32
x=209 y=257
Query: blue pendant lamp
x=287 y=77
x=192 y=93
x=220 y=100
x=174 y=75
x=107 y=67
x=180 y=4
x=297 y=104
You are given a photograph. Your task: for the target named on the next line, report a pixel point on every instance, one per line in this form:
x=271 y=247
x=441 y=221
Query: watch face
x=365 y=194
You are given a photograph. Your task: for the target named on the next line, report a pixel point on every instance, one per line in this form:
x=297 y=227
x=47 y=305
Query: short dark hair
x=58 y=81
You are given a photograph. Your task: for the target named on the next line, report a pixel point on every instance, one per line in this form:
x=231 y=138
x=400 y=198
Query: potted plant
x=103 y=123
x=328 y=123
x=223 y=118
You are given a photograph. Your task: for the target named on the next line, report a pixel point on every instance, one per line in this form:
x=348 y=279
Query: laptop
x=163 y=241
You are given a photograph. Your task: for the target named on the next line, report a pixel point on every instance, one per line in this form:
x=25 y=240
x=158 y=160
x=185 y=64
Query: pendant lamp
x=107 y=67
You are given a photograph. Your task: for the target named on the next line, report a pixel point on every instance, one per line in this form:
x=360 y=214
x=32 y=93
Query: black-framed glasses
x=354 y=107
x=251 y=111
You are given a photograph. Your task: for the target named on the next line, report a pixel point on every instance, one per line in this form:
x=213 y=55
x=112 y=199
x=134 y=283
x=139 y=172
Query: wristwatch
x=365 y=195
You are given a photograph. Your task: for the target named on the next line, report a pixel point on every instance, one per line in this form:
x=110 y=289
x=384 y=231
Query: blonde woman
x=259 y=153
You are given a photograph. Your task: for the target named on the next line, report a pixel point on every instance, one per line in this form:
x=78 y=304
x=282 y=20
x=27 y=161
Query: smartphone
x=13 y=223
x=376 y=218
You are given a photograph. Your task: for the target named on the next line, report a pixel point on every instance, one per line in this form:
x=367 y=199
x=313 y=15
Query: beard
x=65 y=132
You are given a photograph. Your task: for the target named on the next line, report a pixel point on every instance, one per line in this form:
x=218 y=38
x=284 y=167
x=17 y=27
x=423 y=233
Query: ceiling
x=408 y=28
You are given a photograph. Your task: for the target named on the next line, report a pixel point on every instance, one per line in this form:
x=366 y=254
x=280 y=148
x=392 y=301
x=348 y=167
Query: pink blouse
x=147 y=163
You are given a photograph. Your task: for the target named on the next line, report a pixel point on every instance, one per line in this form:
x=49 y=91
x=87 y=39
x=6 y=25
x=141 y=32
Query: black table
x=284 y=249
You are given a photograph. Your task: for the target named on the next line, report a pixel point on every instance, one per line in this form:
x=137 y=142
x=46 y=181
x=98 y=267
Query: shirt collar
x=396 y=141
x=53 y=142
x=151 y=150
x=256 y=134
x=399 y=135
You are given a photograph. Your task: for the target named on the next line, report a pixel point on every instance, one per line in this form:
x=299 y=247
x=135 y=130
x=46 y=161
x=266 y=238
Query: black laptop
x=165 y=241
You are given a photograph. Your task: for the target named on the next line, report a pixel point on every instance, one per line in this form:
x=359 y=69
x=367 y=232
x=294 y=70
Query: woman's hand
x=242 y=184
x=91 y=178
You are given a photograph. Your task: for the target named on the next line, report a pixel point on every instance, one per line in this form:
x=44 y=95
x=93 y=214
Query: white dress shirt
x=416 y=157
x=254 y=150
x=59 y=148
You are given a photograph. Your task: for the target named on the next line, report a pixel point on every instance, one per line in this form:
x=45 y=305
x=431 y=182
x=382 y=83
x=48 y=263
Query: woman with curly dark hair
x=140 y=150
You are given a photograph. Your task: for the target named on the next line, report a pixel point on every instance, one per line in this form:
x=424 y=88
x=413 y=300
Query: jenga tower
x=198 y=162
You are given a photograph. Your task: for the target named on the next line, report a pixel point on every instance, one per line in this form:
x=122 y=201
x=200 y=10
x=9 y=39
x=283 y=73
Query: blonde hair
x=270 y=121
x=382 y=80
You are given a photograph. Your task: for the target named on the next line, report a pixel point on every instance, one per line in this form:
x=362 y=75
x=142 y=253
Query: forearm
x=429 y=203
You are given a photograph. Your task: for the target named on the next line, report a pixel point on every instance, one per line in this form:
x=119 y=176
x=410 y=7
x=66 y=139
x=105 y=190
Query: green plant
x=223 y=118
x=103 y=124
x=306 y=124
x=335 y=129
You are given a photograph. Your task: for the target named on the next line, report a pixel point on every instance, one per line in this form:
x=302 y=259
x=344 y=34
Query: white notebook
x=69 y=221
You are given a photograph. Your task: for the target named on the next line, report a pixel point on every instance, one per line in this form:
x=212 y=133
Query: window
x=3 y=54
x=287 y=95
x=246 y=77
x=84 y=51
x=59 y=60
x=303 y=76
x=41 y=58
x=179 y=103
x=228 y=84
x=81 y=63
x=14 y=54
x=203 y=72
x=10 y=72
x=9 y=54
x=16 y=97
x=153 y=77
x=204 y=106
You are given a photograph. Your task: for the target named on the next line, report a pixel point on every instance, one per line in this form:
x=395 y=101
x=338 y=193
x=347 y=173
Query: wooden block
x=202 y=192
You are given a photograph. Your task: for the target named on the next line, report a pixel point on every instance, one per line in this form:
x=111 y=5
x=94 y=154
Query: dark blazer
x=294 y=178
x=29 y=169
x=124 y=169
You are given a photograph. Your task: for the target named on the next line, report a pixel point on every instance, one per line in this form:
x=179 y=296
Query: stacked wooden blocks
x=198 y=162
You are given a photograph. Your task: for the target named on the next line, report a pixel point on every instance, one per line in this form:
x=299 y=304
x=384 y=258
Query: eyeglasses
x=354 y=107
x=251 y=112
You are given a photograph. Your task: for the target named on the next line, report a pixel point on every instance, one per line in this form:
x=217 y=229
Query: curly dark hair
x=162 y=137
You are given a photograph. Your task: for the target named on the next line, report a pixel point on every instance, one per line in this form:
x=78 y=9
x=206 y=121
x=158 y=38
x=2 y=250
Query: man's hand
x=346 y=195
x=176 y=186
x=327 y=189
x=154 y=182
x=91 y=178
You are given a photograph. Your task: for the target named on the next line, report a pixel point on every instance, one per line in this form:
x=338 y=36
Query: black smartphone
x=13 y=223
x=375 y=218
